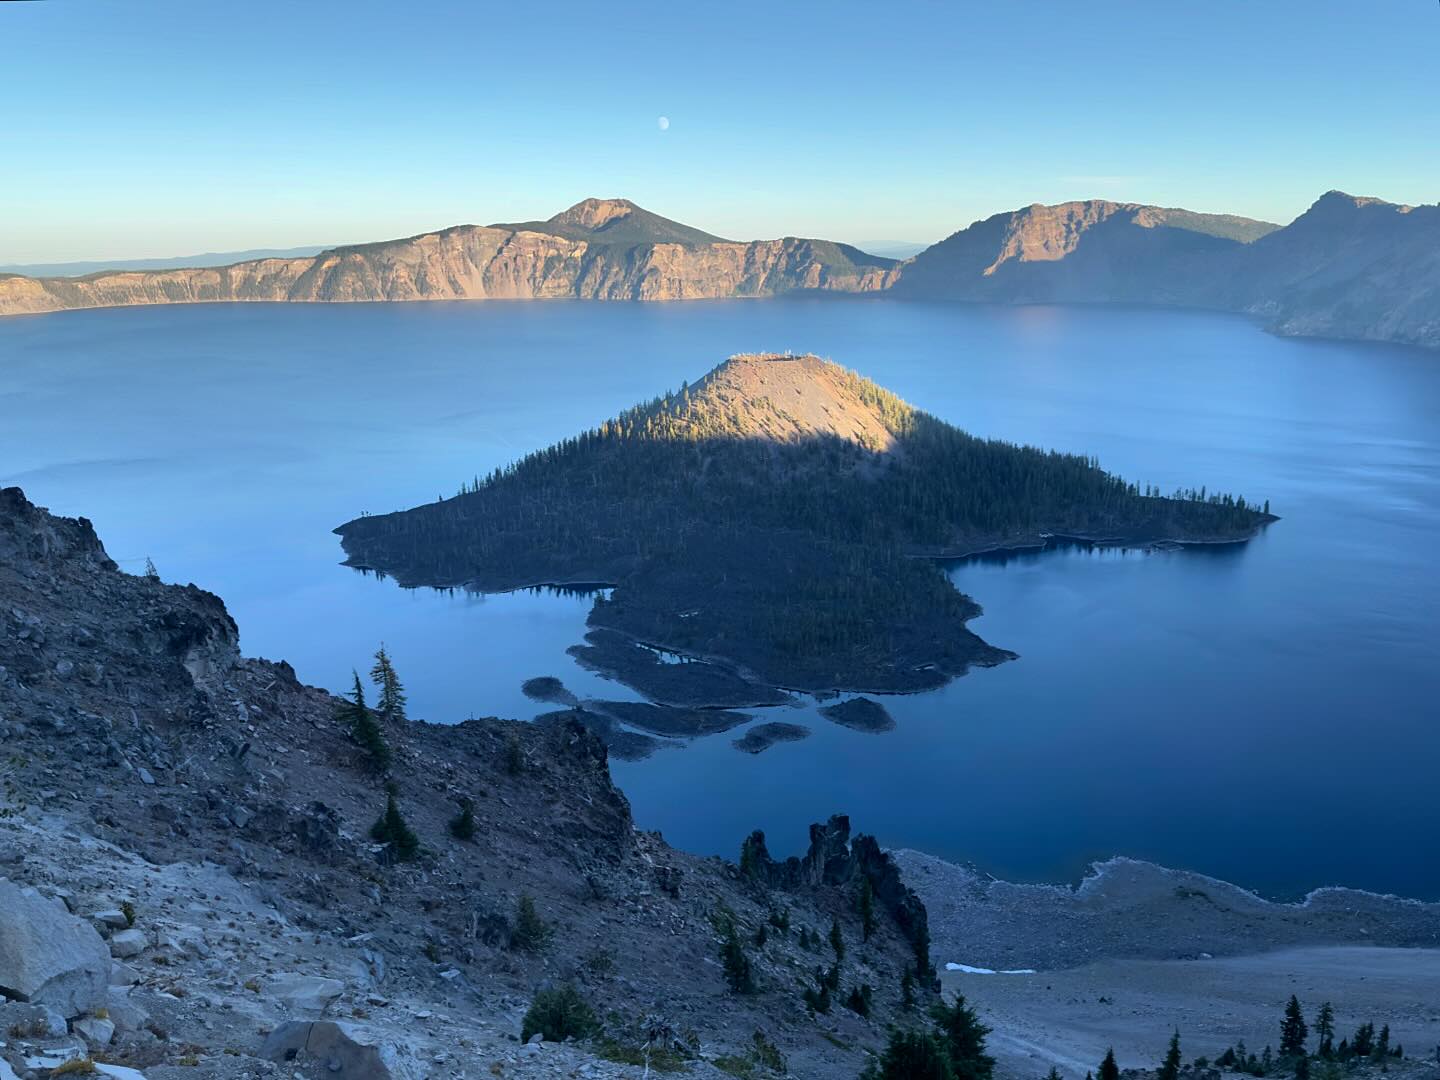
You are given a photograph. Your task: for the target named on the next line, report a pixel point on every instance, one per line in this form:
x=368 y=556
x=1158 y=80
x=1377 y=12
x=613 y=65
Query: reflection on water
x=1261 y=712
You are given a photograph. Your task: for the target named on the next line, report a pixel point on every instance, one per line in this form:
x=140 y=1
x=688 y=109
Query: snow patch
x=968 y=970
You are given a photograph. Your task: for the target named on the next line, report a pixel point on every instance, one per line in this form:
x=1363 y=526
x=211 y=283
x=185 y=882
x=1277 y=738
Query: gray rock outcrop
x=345 y=1051
x=47 y=956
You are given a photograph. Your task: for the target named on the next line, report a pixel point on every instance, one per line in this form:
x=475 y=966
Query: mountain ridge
x=1353 y=267
x=595 y=250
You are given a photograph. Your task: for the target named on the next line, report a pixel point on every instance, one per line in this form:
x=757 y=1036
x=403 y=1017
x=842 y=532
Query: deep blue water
x=1266 y=714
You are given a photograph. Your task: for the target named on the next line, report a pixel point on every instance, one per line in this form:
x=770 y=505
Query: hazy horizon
x=157 y=131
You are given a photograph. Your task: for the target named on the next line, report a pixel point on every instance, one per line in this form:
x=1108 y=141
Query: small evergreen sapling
x=363 y=728
x=390 y=828
x=392 y=695
x=739 y=976
x=963 y=1036
x=531 y=933
x=1170 y=1067
x=1325 y=1030
x=1293 y=1030
x=462 y=825
x=867 y=908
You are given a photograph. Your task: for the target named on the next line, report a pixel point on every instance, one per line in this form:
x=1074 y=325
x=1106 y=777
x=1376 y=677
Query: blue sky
x=162 y=127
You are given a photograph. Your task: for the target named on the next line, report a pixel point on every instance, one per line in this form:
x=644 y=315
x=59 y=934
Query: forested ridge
x=772 y=514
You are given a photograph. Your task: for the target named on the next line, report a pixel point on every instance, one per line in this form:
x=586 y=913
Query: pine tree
x=1325 y=1030
x=363 y=728
x=1293 y=1030
x=390 y=828
x=907 y=990
x=1108 y=1069
x=911 y=1055
x=1053 y=1074
x=1170 y=1068
x=531 y=934
x=867 y=907
x=462 y=826
x=1363 y=1043
x=150 y=571
x=392 y=695
x=1382 y=1047
x=1302 y=1067
x=739 y=976
x=837 y=942
x=963 y=1036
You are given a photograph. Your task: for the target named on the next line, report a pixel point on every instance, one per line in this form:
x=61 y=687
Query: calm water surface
x=1266 y=714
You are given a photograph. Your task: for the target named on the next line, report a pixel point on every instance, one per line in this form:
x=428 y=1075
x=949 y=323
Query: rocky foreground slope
x=599 y=249
x=188 y=885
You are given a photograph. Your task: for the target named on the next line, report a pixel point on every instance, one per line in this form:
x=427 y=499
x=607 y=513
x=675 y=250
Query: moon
x=664 y=123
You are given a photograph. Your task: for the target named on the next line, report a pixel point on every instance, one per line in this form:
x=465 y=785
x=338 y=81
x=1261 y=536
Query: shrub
x=858 y=1000
x=558 y=1014
x=462 y=825
x=817 y=998
x=514 y=756
x=763 y=1055
x=531 y=933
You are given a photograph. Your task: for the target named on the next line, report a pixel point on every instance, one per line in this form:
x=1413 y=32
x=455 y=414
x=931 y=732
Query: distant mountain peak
x=594 y=213
x=616 y=222
x=1343 y=201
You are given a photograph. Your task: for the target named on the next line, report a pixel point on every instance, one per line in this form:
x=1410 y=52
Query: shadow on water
x=1077 y=545
x=575 y=589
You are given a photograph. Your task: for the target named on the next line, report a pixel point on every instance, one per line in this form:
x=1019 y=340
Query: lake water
x=1267 y=714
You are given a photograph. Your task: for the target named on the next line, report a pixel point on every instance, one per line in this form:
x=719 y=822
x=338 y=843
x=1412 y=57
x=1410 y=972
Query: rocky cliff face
x=1347 y=268
x=1080 y=252
x=209 y=816
x=597 y=250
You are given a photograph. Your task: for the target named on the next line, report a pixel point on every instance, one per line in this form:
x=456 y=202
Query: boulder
x=48 y=956
x=95 y=1030
x=118 y=1072
x=126 y=1015
x=308 y=995
x=127 y=943
x=35 y=1021
x=344 y=1051
x=123 y=974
